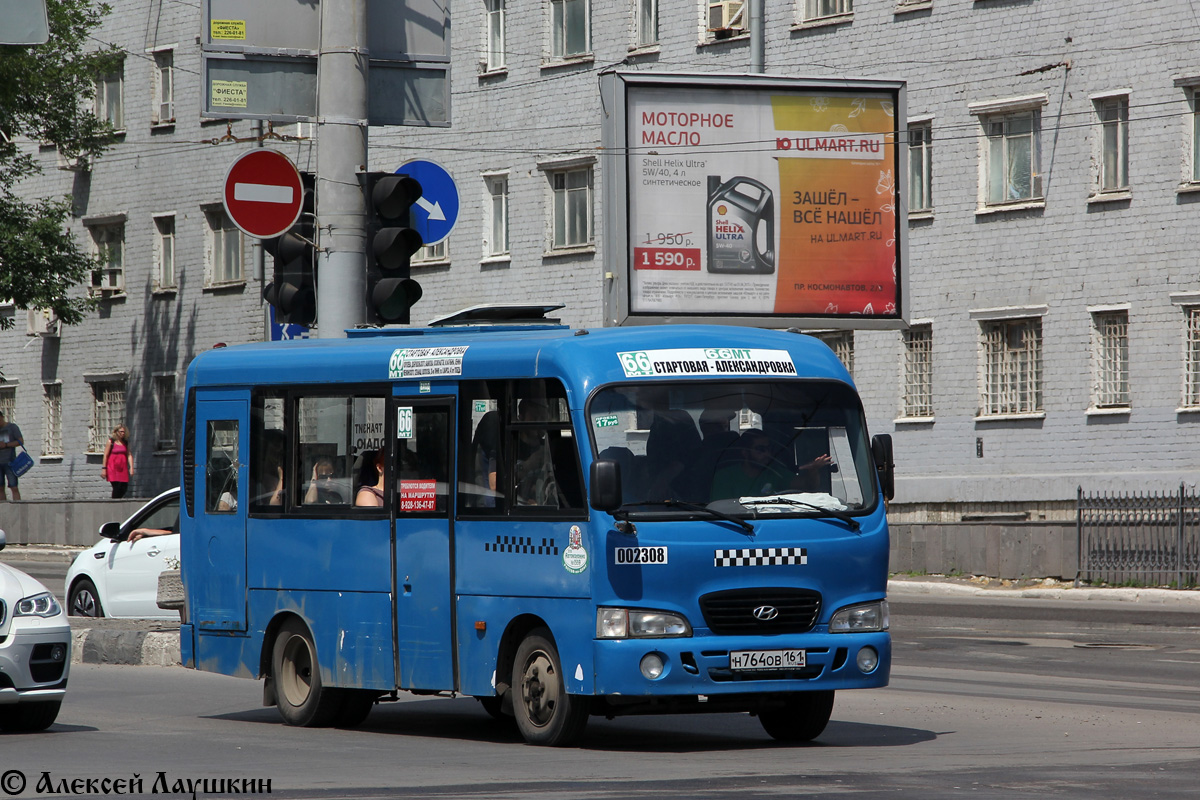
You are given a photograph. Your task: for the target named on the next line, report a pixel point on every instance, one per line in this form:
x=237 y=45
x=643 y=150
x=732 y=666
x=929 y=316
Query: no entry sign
x=263 y=193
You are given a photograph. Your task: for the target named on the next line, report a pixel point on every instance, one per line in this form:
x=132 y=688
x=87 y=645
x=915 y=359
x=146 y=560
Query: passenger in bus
x=228 y=499
x=536 y=482
x=372 y=495
x=321 y=490
x=270 y=481
x=670 y=447
x=758 y=472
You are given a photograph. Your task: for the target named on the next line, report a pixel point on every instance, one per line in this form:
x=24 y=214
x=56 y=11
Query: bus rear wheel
x=299 y=695
x=802 y=718
x=545 y=713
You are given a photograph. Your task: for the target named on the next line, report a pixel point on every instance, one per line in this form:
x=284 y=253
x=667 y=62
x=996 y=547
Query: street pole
x=341 y=155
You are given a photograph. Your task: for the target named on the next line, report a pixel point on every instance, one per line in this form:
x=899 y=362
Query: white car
x=35 y=652
x=114 y=578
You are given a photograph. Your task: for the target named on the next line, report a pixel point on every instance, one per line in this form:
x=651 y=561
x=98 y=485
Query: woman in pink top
x=118 y=462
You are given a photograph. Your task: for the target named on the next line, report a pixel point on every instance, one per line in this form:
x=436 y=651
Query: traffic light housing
x=292 y=290
x=391 y=243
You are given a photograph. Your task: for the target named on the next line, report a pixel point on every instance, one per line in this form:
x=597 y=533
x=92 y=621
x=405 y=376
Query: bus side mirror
x=605 y=490
x=881 y=449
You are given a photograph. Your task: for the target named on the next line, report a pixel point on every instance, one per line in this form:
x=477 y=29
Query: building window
x=726 y=18
x=109 y=90
x=8 y=402
x=1012 y=367
x=164 y=253
x=1114 y=161
x=494 y=58
x=920 y=166
x=108 y=411
x=1191 y=358
x=431 y=253
x=52 y=444
x=109 y=241
x=1110 y=359
x=918 y=372
x=569 y=28
x=820 y=9
x=1013 y=172
x=163 y=110
x=1194 y=99
x=164 y=412
x=842 y=345
x=571 y=211
x=646 y=22
x=224 y=249
x=496 y=243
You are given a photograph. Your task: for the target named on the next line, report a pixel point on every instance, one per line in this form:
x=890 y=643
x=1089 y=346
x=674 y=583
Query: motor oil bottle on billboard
x=741 y=226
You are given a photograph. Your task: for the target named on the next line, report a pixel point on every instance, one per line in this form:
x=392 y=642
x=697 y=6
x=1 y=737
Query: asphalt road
x=989 y=698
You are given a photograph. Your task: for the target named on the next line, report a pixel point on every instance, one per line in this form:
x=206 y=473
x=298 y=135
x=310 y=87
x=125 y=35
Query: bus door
x=424 y=542
x=220 y=603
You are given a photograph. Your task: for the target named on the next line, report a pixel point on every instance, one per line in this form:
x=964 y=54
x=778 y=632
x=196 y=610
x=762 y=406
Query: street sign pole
x=341 y=155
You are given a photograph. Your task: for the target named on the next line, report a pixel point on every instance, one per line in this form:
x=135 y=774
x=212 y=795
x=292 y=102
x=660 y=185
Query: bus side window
x=220 y=474
x=545 y=464
x=268 y=453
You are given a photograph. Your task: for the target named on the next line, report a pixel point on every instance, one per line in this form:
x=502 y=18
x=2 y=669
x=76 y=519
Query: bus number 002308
x=640 y=555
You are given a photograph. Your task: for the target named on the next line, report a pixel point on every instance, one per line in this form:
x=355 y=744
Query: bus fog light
x=868 y=659
x=652 y=666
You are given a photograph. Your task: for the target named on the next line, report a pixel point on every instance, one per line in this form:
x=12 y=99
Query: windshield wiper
x=741 y=523
x=850 y=521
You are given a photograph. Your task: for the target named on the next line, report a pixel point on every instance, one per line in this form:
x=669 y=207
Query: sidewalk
x=1047 y=589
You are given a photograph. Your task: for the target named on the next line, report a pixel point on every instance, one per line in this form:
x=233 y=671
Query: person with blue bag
x=10 y=460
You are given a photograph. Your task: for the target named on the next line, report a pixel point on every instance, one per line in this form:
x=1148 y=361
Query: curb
x=1166 y=597
x=141 y=648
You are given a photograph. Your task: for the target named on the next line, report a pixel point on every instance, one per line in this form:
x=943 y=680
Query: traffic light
x=292 y=289
x=391 y=243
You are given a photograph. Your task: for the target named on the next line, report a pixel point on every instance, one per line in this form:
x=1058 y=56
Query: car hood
x=15 y=585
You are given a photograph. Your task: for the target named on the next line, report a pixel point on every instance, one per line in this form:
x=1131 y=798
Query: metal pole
x=758 y=35
x=258 y=257
x=1179 y=541
x=341 y=155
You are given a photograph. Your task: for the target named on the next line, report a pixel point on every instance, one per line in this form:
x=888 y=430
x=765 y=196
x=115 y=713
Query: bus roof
x=583 y=358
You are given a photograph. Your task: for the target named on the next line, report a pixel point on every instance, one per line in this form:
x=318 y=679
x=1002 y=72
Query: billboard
x=755 y=200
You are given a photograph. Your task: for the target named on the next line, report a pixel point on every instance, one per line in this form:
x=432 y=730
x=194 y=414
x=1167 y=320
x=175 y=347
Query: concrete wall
x=54 y=522
x=1011 y=551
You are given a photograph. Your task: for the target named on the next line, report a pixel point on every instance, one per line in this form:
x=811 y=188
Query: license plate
x=751 y=660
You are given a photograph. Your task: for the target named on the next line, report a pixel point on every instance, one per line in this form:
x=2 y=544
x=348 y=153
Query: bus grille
x=733 y=612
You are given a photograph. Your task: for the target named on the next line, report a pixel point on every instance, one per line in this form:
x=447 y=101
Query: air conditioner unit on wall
x=43 y=322
x=725 y=15
x=76 y=164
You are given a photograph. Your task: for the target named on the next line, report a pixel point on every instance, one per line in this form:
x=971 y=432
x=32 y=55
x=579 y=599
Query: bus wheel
x=356 y=707
x=545 y=713
x=301 y=699
x=802 y=718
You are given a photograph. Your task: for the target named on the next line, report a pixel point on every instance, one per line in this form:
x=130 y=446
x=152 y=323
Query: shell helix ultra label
x=229 y=94
x=575 y=557
x=227 y=29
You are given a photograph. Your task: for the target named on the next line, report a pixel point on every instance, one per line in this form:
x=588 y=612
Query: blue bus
x=560 y=523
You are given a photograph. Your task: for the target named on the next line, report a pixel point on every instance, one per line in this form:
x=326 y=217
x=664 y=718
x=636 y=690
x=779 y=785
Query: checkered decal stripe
x=760 y=557
x=521 y=544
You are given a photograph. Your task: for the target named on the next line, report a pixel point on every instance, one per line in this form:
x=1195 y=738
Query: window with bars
x=494 y=58
x=109 y=241
x=224 y=249
x=52 y=443
x=163 y=110
x=920 y=165
x=1110 y=359
x=917 y=400
x=1191 y=358
x=569 y=28
x=1013 y=160
x=1012 y=367
x=571 y=212
x=842 y=345
x=1114 y=162
x=497 y=196
x=165 y=411
x=108 y=411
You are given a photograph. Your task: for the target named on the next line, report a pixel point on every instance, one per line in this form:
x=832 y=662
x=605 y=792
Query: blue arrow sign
x=436 y=211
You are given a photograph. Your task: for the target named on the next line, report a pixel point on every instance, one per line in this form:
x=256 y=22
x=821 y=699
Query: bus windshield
x=743 y=447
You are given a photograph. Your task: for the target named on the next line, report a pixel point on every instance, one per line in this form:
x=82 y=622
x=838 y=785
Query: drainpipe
x=758 y=35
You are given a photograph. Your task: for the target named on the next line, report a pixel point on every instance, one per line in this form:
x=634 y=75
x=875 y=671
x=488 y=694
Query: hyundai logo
x=765 y=613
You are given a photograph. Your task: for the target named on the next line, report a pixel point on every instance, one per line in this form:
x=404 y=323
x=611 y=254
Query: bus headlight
x=636 y=623
x=865 y=618
x=38 y=605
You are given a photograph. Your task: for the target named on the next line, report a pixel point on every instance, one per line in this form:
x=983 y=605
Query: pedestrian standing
x=10 y=440
x=118 y=462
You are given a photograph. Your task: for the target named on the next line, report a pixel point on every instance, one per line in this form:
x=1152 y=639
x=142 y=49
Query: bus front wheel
x=545 y=713
x=802 y=718
x=299 y=695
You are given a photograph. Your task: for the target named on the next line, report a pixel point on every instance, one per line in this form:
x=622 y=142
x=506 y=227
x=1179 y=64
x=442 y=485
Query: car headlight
x=865 y=618
x=38 y=605
x=634 y=623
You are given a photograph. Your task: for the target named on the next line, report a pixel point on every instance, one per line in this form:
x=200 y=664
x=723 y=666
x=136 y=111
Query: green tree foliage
x=46 y=94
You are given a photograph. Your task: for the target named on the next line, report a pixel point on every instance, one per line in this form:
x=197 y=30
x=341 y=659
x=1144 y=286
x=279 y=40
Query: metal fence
x=1152 y=538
